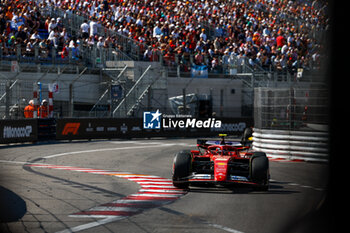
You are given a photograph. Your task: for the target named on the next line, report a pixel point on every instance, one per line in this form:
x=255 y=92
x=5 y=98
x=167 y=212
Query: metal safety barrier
x=292 y=145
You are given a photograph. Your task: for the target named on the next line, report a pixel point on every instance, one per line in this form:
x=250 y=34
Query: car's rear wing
x=239 y=143
x=205 y=142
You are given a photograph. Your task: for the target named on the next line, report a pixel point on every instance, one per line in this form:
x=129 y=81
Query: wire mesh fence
x=290 y=108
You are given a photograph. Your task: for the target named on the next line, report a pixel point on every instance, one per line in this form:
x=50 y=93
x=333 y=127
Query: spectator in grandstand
x=14 y=23
x=44 y=48
x=215 y=64
x=35 y=36
x=65 y=51
x=10 y=45
x=147 y=54
x=3 y=45
x=90 y=41
x=76 y=52
x=157 y=32
x=52 y=25
x=108 y=42
x=2 y=22
x=84 y=29
x=226 y=58
x=100 y=42
x=203 y=35
x=22 y=34
x=93 y=27
x=54 y=38
x=59 y=24
x=254 y=61
x=29 y=48
x=199 y=58
x=64 y=34
x=53 y=33
x=33 y=19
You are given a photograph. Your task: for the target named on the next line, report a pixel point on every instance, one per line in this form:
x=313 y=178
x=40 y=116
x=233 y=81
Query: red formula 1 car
x=221 y=162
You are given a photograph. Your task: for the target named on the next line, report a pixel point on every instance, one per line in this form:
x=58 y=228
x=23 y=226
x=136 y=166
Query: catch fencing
x=292 y=123
x=290 y=108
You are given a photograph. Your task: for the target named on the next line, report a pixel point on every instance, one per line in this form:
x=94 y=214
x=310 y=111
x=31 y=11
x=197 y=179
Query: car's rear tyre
x=247 y=133
x=259 y=171
x=182 y=169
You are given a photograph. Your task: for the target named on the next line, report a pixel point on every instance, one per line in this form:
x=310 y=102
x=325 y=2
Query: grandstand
x=154 y=50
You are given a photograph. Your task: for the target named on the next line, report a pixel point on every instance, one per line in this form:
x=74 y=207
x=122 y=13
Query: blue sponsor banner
x=199 y=71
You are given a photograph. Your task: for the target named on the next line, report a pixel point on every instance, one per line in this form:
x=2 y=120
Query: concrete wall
x=226 y=93
x=227 y=104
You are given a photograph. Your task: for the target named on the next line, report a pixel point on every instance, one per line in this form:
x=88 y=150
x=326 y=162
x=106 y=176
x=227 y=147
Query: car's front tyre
x=182 y=169
x=259 y=171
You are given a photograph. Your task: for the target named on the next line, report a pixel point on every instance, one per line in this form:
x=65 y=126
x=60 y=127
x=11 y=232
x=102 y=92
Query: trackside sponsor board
x=157 y=120
x=88 y=128
x=14 y=131
x=149 y=126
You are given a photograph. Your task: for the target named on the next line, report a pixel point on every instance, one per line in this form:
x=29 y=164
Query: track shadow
x=12 y=206
x=274 y=188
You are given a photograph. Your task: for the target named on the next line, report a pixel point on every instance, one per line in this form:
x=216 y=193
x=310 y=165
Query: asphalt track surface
x=107 y=186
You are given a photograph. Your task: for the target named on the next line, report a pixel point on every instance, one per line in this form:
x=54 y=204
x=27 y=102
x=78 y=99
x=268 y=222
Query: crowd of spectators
x=272 y=34
x=24 y=28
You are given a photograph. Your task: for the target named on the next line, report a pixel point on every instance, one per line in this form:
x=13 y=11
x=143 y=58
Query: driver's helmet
x=218 y=150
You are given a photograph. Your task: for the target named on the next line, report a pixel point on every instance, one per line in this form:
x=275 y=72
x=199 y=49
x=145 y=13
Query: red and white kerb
x=155 y=191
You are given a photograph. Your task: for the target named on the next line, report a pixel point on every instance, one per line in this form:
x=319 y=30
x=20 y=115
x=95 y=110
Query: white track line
x=155 y=195
x=150 y=183
x=112 y=208
x=223 y=228
x=136 y=201
x=92 y=224
x=161 y=190
x=106 y=149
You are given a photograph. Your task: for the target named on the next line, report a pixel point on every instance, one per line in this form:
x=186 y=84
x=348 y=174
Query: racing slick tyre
x=182 y=169
x=259 y=171
x=247 y=133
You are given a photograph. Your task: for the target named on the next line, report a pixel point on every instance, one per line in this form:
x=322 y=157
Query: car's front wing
x=207 y=178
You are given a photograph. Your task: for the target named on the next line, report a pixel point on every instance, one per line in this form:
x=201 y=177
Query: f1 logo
x=151 y=120
x=70 y=128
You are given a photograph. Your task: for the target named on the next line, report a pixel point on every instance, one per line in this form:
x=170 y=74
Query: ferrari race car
x=221 y=162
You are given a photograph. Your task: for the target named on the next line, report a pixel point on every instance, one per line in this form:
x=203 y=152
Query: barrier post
x=7 y=101
x=50 y=101
x=35 y=99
